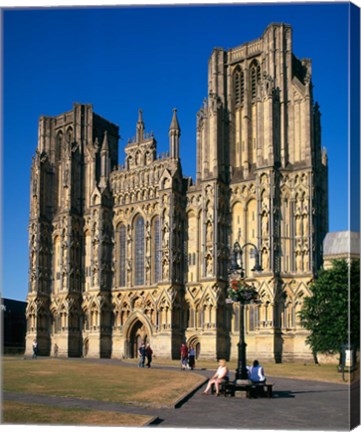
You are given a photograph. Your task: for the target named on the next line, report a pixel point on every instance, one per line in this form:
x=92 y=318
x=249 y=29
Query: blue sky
x=155 y=58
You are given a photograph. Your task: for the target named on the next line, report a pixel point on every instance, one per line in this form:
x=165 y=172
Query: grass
x=307 y=371
x=103 y=382
x=303 y=371
x=13 y=413
x=89 y=381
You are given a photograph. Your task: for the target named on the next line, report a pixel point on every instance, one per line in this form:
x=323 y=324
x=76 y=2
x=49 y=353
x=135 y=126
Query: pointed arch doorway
x=137 y=335
x=194 y=340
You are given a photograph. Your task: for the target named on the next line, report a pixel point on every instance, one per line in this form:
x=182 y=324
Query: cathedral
x=137 y=252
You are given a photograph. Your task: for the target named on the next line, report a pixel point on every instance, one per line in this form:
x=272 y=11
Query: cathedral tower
x=258 y=141
x=69 y=186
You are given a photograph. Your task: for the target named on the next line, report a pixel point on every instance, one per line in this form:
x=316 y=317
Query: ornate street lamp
x=239 y=291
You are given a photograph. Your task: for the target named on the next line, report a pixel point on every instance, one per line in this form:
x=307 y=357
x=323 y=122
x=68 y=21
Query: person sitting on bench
x=222 y=374
x=256 y=373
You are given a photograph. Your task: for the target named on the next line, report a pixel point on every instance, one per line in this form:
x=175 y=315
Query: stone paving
x=296 y=404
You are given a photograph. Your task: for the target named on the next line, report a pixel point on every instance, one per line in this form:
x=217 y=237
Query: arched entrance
x=196 y=345
x=137 y=335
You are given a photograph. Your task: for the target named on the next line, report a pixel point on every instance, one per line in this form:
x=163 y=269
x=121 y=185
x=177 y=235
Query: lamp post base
x=241 y=371
x=241 y=375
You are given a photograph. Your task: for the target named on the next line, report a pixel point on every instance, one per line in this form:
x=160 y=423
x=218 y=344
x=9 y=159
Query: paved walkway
x=295 y=405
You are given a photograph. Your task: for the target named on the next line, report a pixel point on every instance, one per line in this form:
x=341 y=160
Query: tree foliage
x=332 y=312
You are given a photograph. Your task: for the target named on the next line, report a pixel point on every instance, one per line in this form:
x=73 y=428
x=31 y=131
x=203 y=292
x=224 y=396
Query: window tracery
x=238 y=85
x=139 y=251
x=122 y=255
x=255 y=78
x=156 y=249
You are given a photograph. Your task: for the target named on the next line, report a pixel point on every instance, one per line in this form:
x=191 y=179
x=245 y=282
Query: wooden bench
x=251 y=389
x=223 y=386
x=261 y=390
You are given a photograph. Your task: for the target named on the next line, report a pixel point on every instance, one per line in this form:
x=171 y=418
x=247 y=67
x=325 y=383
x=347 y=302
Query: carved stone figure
x=166 y=235
x=165 y=270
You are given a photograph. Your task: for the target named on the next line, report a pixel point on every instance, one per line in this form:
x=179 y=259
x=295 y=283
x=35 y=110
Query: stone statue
x=166 y=235
x=209 y=232
x=165 y=270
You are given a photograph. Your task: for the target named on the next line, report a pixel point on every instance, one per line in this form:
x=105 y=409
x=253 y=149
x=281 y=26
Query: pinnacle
x=174 y=125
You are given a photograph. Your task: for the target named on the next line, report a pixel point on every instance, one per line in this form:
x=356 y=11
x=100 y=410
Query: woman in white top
x=221 y=374
x=256 y=373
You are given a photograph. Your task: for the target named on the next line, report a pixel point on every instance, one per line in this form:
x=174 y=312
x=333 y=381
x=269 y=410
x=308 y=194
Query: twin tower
x=122 y=254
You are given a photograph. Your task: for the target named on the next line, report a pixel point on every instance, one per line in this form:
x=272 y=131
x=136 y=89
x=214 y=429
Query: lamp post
x=244 y=294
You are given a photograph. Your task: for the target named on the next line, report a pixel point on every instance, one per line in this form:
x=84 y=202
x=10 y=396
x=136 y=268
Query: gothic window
x=238 y=83
x=69 y=134
x=255 y=78
x=97 y=166
x=191 y=245
x=58 y=148
x=122 y=255
x=88 y=249
x=242 y=86
x=58 y=152
x=156 y=250
x=237 y=88
x=139 y=251
x=57 y=264
x=75 y=180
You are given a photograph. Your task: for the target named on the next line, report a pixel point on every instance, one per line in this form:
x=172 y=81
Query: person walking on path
x=142 y=354
x=35 y=349
x=149 y=354
x=222 y=373
x=184 y=356
x=191 y=357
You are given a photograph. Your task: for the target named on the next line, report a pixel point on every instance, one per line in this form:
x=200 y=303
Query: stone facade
x=121 y=254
